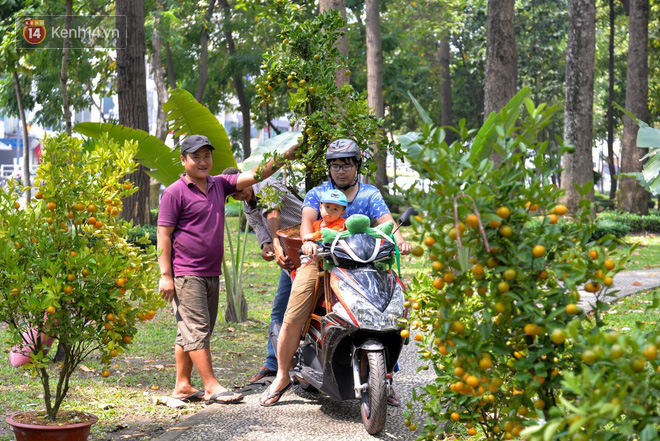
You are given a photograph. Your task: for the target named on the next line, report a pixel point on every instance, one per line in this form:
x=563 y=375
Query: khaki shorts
x=196 y=310
x=302 y=293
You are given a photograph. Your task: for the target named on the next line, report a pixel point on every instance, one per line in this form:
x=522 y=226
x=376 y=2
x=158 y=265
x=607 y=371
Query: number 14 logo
x=34 y=31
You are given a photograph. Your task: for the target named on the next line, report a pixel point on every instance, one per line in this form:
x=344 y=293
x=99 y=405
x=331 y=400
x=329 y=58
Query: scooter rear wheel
x=374 y=398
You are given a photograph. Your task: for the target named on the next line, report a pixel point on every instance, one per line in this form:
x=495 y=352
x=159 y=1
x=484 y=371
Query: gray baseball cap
x=195 y=142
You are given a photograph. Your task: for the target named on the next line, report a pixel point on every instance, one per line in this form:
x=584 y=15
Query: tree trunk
x=476 y=93
x=445 y=87
x=171 y=76
x=64 y=76
x=501 y=57
x=578 y=106
x=204 y=53
x=375 y=86
x=238 y=82
x=132 y=97
x=26 y=143
x=159 y=80
x=342 y=44
x=632 y=197
x=610 y=108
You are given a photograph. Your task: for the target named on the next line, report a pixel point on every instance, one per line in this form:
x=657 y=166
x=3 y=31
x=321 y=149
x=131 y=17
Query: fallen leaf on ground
x=170 y=402
x=85 y=368
x=106 y=406
x=155 y=387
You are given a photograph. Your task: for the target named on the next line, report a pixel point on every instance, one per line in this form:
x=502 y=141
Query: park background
x=460 y=60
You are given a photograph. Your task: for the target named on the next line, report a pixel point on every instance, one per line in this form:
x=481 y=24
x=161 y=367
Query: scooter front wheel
x=374 y=396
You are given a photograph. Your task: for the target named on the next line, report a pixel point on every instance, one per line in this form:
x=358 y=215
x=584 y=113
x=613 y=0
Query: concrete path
x=628 y=283
x=302 y=416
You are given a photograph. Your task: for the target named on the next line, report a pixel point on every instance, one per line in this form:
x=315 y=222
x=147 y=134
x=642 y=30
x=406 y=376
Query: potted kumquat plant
x=68 y=274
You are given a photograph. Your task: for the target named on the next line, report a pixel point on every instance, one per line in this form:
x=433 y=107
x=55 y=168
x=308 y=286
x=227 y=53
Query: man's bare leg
x=287 y=343
x=184 y=365
x=201 y=359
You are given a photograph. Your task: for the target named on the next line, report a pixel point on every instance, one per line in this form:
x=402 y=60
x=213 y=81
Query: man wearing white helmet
x=344 y=159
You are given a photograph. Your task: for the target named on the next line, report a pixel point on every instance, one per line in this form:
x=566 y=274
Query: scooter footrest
x=312 y=376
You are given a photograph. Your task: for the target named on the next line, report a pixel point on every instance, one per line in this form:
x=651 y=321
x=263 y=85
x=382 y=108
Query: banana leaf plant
x=185 y=116
x=232 y=269
x=647 y=138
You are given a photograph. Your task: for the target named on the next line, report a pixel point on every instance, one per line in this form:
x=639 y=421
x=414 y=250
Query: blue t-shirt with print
x=367 y=201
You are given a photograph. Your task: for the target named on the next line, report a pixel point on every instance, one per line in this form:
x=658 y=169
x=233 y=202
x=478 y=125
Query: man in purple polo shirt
x=191 y=237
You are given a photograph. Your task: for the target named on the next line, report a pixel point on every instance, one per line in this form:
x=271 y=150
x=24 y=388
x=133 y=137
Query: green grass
x=647 y=254
x=629 y=312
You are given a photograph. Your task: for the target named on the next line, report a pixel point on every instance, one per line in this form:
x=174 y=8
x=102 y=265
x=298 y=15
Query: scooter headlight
x=364 y=314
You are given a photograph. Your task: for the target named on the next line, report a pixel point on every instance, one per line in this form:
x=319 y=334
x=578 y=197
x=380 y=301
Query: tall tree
x=204 y=52
x=632 y=197
x=159 y=78
x=341 y=76
x=237 y=78
x=610 y=99
x=501 y=56
x=445 y=85
x=578 y=104
x=132 y=96
x=63 y=71
x=375 y=84
x=24 y=134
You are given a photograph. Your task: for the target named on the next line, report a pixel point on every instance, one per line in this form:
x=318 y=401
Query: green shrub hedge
x=603 y=226
x=609 y=226
x=635 y=222
x=137 y=233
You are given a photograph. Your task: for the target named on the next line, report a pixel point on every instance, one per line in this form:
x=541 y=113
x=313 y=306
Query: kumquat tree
x=67 y=271
x=497 y=315
x=301 y=70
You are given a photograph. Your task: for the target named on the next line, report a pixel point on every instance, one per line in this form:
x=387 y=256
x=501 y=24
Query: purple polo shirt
x=199 y=221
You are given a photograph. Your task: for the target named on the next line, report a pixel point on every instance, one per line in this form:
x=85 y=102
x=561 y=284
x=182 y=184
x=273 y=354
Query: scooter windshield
x=375 y=286
x=370 y=298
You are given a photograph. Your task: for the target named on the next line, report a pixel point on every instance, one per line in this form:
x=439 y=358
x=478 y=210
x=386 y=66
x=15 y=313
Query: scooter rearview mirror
x=404 y=219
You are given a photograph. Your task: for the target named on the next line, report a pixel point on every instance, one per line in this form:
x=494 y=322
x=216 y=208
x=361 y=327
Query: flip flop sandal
x=263 y=372
x=267 y=395
x=393 y=400
x=197 y=396
x=227 y=393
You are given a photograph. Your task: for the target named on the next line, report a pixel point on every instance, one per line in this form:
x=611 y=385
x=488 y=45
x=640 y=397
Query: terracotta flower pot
x=291 y=242
x=65 y=432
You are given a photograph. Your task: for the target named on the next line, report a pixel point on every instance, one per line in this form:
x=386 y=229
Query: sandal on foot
x=215 y=398
x=268 y=395
x=392 y=399
x=196 y=396
x=263 y=372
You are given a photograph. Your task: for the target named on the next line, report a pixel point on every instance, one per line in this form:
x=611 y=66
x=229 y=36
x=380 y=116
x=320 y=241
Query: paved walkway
x=302 y=416
x=628 y=283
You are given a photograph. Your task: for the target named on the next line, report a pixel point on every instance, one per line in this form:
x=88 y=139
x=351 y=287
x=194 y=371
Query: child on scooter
x=333 y=207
